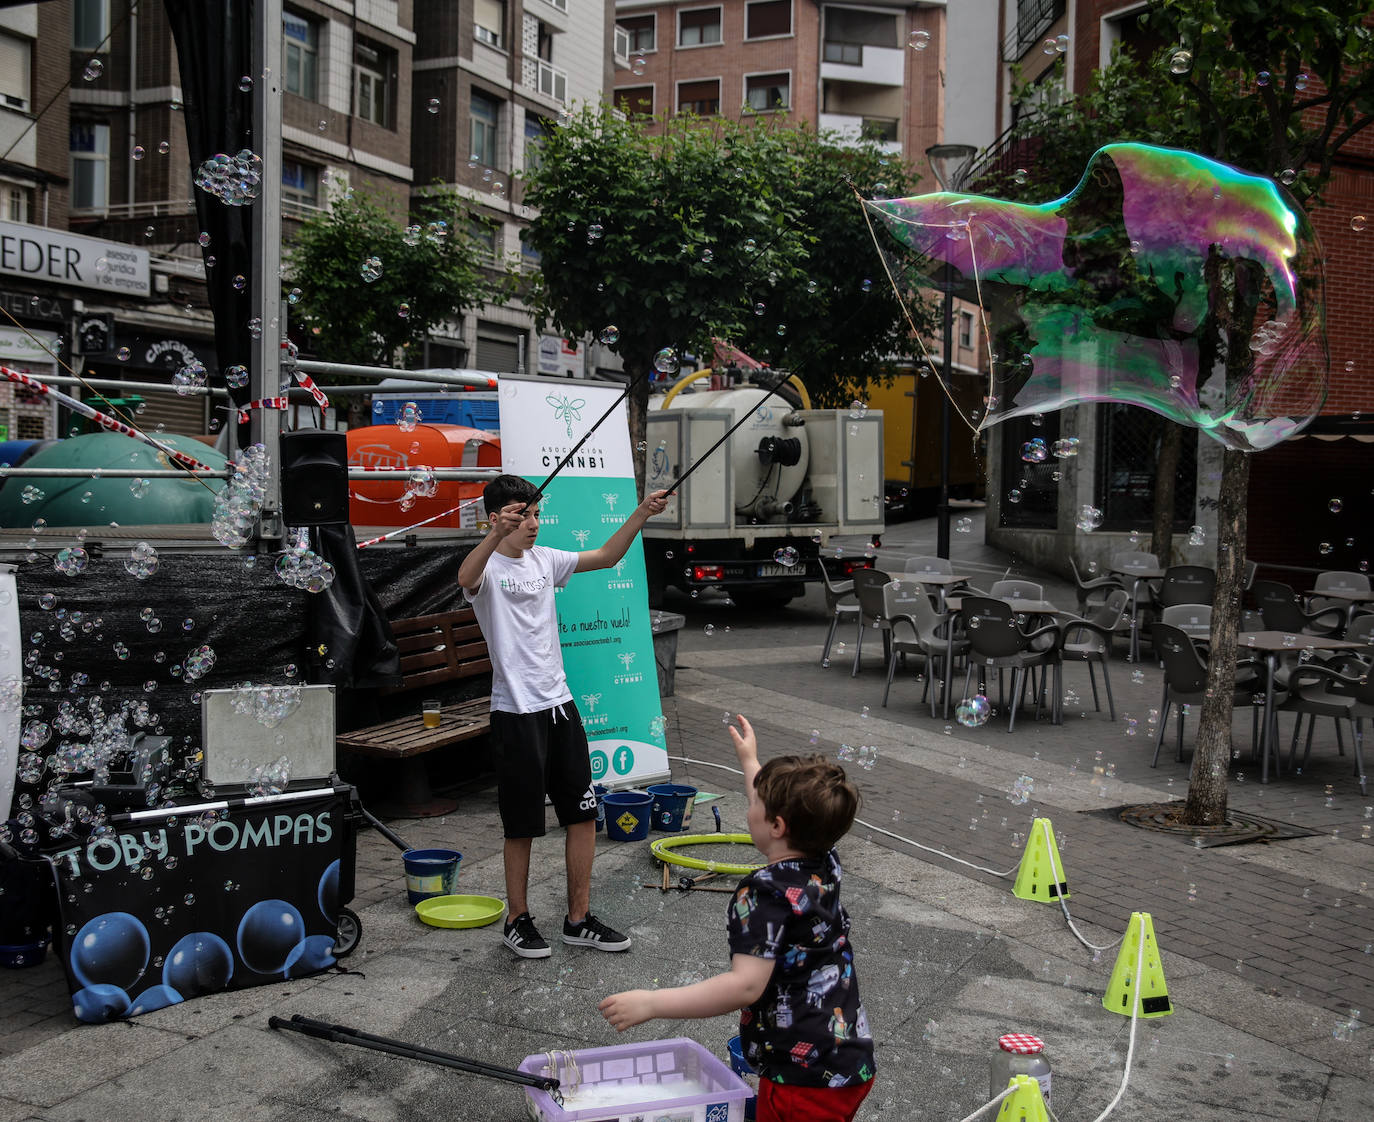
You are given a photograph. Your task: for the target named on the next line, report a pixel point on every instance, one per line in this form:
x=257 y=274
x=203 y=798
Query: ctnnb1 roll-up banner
x=163 y=906
x=603 y=615
x=11 y=687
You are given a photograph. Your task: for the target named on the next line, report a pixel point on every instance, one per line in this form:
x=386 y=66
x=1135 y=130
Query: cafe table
x=1272 y=644
x=941 y=582
x=1137 y=576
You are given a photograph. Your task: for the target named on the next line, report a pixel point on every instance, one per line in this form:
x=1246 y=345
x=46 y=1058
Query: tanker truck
x=755 y=517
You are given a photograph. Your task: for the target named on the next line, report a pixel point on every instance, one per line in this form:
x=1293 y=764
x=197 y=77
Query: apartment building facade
x=491 y=80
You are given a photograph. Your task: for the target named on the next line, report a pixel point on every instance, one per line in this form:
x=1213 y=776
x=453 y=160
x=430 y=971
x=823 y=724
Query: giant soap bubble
x=1164 y=279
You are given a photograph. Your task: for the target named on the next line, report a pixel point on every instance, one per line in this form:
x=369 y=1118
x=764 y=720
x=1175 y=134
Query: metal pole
x=465 y=378
x=265 y=365
x=942 y=525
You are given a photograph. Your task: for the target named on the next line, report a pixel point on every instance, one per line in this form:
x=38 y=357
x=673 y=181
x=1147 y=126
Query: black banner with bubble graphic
x=170 y=907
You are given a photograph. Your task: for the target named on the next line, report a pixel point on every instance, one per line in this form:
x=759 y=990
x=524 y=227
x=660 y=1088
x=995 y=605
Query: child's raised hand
x=625 y=1010
x=746 y=747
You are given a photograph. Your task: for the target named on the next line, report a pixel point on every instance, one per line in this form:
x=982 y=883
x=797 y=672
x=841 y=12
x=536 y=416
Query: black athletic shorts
x=537 y=754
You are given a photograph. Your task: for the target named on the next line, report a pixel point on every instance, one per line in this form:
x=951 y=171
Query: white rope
x=1063 y=906
x=990 y=1103
x=875 y=829
x=1135 y=1020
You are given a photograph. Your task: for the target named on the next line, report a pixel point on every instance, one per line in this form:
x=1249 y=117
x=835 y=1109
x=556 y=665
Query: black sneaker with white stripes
x=524 y=939
x=591 y=932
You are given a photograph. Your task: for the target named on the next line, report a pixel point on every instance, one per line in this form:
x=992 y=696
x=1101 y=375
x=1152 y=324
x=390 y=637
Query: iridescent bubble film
x=1164 y=279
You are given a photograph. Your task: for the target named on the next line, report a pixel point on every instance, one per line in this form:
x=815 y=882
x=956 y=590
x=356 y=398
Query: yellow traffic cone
x=1041 y=875
x=1125 y=987
x=1025 y=1103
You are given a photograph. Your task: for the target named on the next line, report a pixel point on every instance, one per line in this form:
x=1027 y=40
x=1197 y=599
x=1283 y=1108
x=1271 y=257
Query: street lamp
x=950 y=164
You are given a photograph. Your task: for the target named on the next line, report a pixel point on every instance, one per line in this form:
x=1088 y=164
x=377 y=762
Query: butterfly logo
x=611 y=498
x=566 y=409
x=581 y=536
x=626 y=657
x=591 y=699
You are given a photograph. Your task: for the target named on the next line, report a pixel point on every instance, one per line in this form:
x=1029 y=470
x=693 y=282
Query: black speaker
x=314 y=477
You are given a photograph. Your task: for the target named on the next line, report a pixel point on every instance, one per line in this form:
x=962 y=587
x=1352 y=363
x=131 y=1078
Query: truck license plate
x=768 y=569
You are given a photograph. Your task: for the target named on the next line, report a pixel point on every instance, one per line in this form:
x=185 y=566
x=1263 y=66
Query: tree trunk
x=637 y=414
x=1166 y=487
x=1206 y=805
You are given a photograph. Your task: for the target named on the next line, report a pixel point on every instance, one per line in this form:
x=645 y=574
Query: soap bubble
x=1358 y=223
x=1181 y=61
x=857 y=409
x=371 y=269
x=973 y=711
x=245 y=83
x=1021 y=790
x=94 y=69
x=919 y=40
x=1089 y=518
x=667 y=361
x=142 y=561
x=432 y=106
x=787 y=556
x=234 y=180
x=1197 y=535
x=71 y=561
x=1034 y=451
x=190 y=377
x=1049 y=272
x=1263 y=78
x=403 y=310
x=1334 y=506
x=1066 y=448
x=409 y=416
x=236 y=377
x=610 y=335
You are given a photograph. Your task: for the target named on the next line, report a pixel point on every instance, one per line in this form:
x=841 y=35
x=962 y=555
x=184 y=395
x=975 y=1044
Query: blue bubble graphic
x=99 y=1003
x=154 y=997
x=315 y=953
x=328 y=894
x=112 y=950
x=268 y=934
x=199 y=963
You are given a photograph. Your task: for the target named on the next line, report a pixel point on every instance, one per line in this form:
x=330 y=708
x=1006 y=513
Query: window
x=698 y=28
x=90 y=153
x=489 y=22
x=766 y=92
x=484 y=240
x=849 y=30
x=537 y=131
x=701 y=98
x=965 y=329
x=880 y=129
x=300 y=49
x=485 y=114
x=374 y=83
x=14 y=202
x=15 y=59
x=529 y=258
x=642 y=31
x=767 y=18
x=90 y=24
x=300 y=184
x=635 y=101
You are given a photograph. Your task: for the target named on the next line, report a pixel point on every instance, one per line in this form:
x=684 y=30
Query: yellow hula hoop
x=664 y=849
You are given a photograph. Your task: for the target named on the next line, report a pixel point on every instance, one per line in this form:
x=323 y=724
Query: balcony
x=859 y=62
x=549 y=80
x=622 y=48
x=851 y=128
x=1033 y=19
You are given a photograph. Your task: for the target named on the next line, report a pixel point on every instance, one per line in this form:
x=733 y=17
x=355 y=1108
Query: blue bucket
x=740 y=1066
x=600 y=790
x=627 y=815
x=672 y=811
x=430 y=872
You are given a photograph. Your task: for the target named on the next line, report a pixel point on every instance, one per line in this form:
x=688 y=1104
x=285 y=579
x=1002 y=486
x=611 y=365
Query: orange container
x=378 y=502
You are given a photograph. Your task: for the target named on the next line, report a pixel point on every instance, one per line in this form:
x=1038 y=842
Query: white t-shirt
x=514 y=605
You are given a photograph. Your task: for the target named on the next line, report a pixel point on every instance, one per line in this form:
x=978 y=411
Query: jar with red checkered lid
x=1019 y=1053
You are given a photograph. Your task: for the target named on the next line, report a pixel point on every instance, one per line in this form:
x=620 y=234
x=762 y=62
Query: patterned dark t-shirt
x=809 y=1027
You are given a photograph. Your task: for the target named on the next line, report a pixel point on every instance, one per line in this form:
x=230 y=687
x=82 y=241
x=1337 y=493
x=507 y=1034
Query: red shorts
x=785 y=1102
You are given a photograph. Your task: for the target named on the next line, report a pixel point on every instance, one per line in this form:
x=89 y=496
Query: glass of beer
x=430 y=711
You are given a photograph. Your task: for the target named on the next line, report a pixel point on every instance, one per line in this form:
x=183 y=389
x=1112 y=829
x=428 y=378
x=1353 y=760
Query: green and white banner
x=603 y=615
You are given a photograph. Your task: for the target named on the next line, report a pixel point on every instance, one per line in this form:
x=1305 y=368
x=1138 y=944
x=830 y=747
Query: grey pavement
x=1265 y=947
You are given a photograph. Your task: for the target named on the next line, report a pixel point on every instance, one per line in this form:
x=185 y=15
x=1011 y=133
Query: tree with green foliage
x=1277 y=88
x=672 y=234
x=369 y=288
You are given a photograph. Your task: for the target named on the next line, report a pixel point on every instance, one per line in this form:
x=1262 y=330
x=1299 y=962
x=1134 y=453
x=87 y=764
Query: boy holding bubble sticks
x=537 y=736
x=791 y=973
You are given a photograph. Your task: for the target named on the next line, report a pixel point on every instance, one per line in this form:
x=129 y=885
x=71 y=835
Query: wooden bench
x=435 y=650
